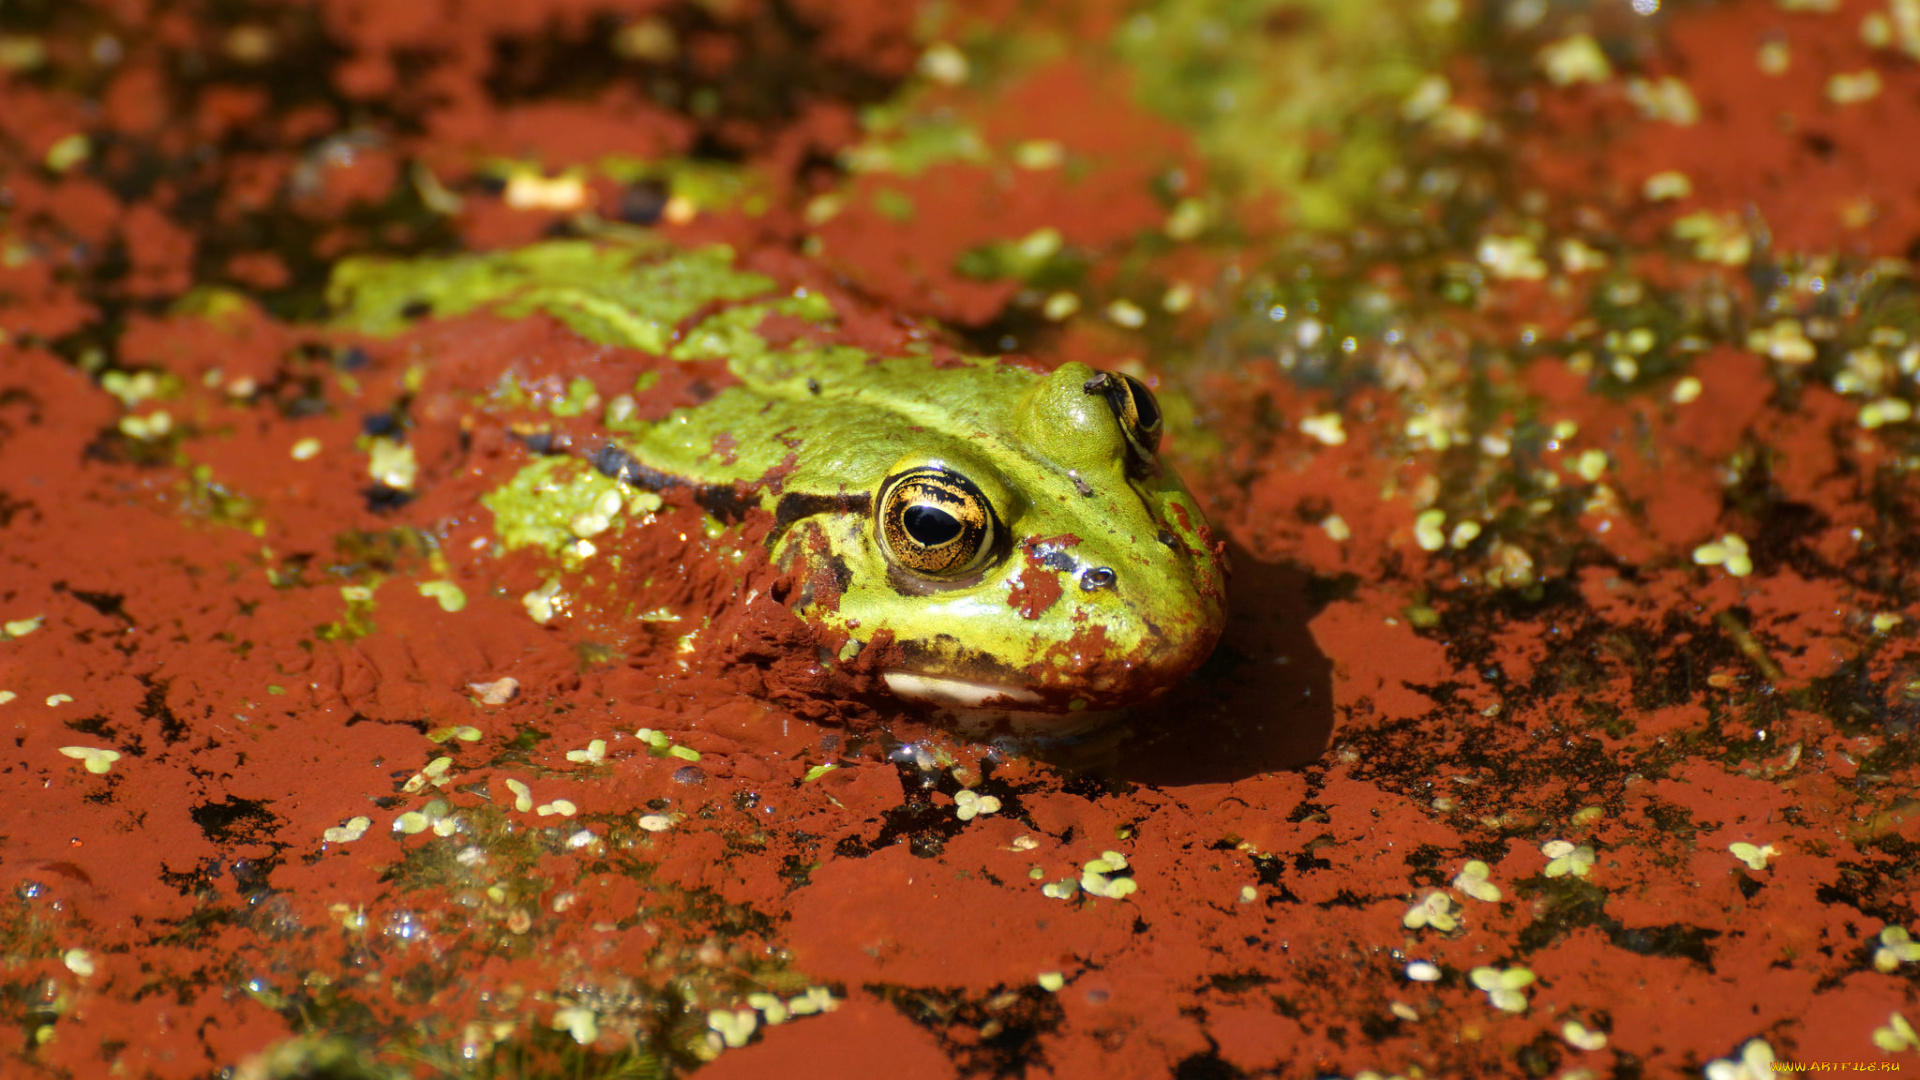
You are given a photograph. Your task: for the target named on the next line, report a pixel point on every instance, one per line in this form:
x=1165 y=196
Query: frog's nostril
x=1099 y=577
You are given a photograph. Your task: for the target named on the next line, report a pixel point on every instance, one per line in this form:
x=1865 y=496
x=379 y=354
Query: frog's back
x=831 y=420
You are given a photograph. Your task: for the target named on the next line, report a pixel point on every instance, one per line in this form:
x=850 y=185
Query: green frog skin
x=1007 y=540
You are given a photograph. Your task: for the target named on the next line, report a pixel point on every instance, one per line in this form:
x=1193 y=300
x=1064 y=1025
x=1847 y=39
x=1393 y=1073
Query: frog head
x=1042 y=559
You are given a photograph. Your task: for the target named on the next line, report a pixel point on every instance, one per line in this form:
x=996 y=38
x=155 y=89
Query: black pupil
x=1145 y=408
x=930 y=525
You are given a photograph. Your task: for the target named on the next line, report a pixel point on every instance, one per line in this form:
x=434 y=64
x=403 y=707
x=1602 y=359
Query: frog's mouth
x=958 y=693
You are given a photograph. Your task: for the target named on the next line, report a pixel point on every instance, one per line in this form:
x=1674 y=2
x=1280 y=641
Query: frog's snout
x=1122 y=631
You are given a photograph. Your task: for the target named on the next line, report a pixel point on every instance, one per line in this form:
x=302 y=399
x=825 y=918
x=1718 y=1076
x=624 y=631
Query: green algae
x=903 y=139
x=708 y=186
x=1297 y=100
x=1332 y=196
x=1039 y=259
x=580 y=399
x=555 y=502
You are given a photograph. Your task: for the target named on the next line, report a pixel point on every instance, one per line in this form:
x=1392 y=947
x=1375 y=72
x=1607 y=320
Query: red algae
x=1563 y=724
x=1038 y=586
x=1775 y=109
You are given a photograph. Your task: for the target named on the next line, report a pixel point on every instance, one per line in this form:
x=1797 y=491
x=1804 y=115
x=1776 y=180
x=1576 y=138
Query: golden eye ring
x=1137 y=410
x=935 y=523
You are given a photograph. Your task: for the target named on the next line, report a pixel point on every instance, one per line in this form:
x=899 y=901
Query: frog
x=981 y=535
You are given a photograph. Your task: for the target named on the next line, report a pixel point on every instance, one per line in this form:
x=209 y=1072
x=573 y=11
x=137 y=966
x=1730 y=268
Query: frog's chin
x=952 y=693
x=987 y=710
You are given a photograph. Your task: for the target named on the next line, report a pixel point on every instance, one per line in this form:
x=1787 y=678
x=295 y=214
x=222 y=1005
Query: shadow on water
x=1263 y=703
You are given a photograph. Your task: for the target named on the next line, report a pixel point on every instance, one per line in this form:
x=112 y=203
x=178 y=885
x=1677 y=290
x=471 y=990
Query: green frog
x=988 y=537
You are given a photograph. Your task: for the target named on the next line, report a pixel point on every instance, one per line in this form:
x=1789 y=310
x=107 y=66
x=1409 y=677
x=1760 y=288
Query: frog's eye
x=1137 y=410
x=934 y=522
